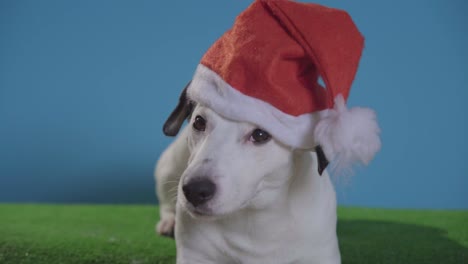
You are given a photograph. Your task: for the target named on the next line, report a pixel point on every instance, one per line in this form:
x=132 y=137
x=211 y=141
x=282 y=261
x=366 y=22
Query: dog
x=231 y=193
x=245 y=180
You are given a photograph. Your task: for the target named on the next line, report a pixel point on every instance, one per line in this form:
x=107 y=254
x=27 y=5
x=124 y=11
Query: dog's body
x=270 y=205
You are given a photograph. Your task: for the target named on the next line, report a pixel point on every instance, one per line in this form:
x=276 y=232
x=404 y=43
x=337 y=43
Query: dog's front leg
x=170 y=167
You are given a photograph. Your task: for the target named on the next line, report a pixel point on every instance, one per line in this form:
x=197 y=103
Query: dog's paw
x=165 y=226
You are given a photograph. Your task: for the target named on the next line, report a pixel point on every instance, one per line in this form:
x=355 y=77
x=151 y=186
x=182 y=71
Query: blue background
x=85 y=87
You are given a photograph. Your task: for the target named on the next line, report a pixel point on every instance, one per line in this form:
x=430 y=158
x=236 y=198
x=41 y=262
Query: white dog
x=244 y=182
x=234 y=194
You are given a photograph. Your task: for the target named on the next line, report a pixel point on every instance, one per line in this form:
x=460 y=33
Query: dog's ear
x=183 y=110
x=322 y=159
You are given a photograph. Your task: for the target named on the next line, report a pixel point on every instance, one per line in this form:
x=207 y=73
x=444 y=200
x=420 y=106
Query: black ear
x=322 y=159
x=181 y=112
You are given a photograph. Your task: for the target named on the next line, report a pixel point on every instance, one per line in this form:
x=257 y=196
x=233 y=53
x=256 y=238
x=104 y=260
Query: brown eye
x=199 y=123
x=259 y=136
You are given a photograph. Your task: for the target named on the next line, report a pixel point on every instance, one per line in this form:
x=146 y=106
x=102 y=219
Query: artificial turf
x=52 y=234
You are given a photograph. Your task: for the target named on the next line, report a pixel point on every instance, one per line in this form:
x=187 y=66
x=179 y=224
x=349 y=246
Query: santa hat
x=266 y=70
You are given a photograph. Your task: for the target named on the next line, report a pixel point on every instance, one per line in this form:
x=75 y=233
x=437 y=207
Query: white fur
x=271 y=205
x=348 y=136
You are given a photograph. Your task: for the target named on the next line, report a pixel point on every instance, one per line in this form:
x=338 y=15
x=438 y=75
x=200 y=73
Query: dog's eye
x=259 y=136
x=199 y=123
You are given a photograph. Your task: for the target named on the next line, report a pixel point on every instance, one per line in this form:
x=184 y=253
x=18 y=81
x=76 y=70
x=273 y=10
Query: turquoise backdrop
x=85 y=87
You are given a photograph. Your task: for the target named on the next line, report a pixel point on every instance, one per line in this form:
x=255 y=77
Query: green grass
x=52 y=234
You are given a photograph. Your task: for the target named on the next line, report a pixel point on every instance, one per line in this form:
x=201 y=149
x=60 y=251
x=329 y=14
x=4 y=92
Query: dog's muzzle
x=199 y=191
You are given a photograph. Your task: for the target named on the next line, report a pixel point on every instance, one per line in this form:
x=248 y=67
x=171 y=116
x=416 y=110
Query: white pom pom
x=348 y=137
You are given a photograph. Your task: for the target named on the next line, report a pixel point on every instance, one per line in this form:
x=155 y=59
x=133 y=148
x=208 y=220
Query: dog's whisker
x=170 y=182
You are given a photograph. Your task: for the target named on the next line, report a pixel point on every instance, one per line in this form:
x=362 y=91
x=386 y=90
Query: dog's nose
x=199 y=191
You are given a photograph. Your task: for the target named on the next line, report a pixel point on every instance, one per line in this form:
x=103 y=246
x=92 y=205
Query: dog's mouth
x=207 y=213
x=204 y=212
x=197 y=212
x=200 y=212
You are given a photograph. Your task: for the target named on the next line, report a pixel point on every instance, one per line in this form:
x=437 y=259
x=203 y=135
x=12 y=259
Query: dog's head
x=232 y=165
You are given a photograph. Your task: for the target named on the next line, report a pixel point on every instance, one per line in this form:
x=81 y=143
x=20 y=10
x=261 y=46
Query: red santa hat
x=266 y=70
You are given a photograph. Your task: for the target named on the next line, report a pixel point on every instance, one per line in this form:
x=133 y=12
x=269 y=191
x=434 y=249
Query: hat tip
x=348 y=136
